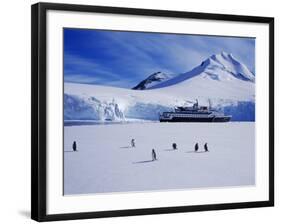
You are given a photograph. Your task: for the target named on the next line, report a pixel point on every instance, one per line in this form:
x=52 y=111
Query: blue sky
x=123 y=59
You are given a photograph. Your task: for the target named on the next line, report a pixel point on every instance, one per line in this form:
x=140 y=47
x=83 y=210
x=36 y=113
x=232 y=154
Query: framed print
x=139 y=111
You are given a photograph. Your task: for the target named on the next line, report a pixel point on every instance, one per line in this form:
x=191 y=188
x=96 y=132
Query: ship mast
x=210 y=104
x=195 y=105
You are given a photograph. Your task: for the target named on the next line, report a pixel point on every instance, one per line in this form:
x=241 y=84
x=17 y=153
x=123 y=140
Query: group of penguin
x=153 y=153
x=174 y=145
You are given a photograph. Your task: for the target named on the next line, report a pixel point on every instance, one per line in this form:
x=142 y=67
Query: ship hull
x=190 y=119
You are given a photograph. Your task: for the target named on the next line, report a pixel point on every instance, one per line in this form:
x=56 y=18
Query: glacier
x=76 y=108
x=221 y=79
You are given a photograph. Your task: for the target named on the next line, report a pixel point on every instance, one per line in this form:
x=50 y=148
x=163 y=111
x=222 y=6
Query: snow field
x=105 y=162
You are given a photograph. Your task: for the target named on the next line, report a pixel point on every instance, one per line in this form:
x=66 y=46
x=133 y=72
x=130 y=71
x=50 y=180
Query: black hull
x=181 y=119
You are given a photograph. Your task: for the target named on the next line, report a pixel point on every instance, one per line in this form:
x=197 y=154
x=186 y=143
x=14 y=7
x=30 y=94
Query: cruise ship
x=195 y=113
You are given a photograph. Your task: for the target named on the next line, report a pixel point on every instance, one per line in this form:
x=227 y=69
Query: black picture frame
x=40 y=122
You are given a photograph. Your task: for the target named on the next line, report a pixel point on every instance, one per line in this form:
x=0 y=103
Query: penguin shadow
x=143 y=161
x=192 y=151
x=70 y=151
x=168 y=150
x=126 y=147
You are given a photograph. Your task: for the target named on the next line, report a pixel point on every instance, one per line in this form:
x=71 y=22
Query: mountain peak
x=225 y=54
x=227 y=62
x=152 y=80
x=220 y=57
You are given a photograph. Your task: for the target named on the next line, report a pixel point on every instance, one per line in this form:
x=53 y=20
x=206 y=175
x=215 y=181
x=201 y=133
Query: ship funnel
x=195 y=105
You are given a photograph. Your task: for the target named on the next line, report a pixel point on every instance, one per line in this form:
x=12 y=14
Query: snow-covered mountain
x=221 y=67
x=152 y=80
x=221 y=78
